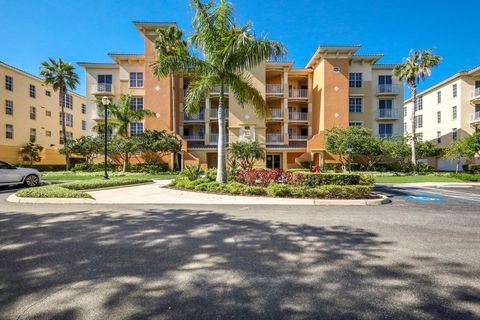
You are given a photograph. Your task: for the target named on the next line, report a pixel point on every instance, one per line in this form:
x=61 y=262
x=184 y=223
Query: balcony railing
x=475 y=117
x=388 y=89
x=214 y=113
x=216 y=89
x=102 y=88
x=297 y=116
x=296 y=137
x=194 y=137
x=298 y=93
x=194 y=117
x=276 y=113
x=274 y=138
x=389 y=114
x=214 y=138
x=274 y=88
x=475 y=94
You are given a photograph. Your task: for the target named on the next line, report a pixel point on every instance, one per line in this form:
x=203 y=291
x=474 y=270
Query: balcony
x=297 y=116
x=296 y=137
x=199 y=117
x=216 y=90
x=214 y=113
x=385 y=114
x=214 y=138
x=276 y=113
x=275 y=89
x=475 y=118
x=275 y=138
x=298 y=93
x=194 y=138
x=388 y=89
x=475 y=96
x=102 y=89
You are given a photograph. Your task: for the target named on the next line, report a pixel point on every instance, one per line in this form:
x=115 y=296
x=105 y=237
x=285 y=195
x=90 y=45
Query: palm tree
x=62 y=77
x=122 y=115
x=413 y=69
x=226 y=52
x=170 y=44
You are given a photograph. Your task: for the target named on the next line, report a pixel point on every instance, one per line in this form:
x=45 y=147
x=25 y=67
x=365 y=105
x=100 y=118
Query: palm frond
x=197 y=93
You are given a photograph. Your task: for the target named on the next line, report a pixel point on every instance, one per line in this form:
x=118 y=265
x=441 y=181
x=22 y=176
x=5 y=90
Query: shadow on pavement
x=192 y=264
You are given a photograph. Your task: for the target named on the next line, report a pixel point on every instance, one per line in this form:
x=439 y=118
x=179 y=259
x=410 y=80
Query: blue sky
x=87 y=30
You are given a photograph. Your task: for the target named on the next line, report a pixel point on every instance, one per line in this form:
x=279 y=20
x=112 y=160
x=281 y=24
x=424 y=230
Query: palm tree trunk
x=413 y=89
x=64 y=128
x=126 y=155
x=174 y=119
x=222 y=141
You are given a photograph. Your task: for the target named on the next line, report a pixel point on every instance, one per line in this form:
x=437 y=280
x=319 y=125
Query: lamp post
x=349 y=150
x=105 y=102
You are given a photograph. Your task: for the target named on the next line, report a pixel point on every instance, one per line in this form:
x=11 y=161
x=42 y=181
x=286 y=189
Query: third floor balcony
x=298 y=93
x=102 y=89
x=392 y=114
x=197 y=117
x=297 y=116
x=216 y=90
x=214 y=113
x=276 y=113
x=388 y=89
x=475 y=96
x=475 y=118
x=274 y=89
x=274 y=138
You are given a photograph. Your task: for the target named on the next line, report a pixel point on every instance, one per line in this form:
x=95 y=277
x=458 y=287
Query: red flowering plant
x=265 y=177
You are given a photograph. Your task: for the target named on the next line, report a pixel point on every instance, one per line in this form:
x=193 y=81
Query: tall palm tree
x=122 y=115
x=62 y=77
x=226 y=52
x=170 y=44
x=415 y=68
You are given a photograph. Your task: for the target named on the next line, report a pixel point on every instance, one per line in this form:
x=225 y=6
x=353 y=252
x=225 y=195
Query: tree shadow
x=196 y=264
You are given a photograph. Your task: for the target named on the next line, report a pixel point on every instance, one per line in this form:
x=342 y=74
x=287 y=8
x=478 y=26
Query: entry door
x=273 y=161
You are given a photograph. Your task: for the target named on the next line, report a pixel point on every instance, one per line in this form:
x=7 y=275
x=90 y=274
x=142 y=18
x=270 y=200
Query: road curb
x=14 y=199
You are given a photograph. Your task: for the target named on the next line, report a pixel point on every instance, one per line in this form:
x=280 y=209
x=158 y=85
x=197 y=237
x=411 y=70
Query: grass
x=69 y=175
x=413 y=179
x=51 y=191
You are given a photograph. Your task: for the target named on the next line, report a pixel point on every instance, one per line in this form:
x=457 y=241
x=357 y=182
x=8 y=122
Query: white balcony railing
x=216 y=89
x=194 y=137
x=274 y=138
x=214 y=138
x=296 y=137
x=194 y=117
x=298 y=93
x=297 y=116
x=475 y=117
x=275 y=88
x=102 y=88
x=389 y=114
x=214 y=113
x=276 y=113
x=388 y=88
x=475 y=93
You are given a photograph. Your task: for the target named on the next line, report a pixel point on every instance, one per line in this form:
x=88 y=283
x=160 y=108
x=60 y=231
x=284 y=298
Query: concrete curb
x=14 y=199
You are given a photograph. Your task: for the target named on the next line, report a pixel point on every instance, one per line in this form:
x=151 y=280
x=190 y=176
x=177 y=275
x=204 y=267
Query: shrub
x=234 y=188
x=306 y=164
x=471 y=168
x=100 y=183
x=466 y=177
x=318 y=179
x=257 y=177
x=149 y=168
x=51 y=191
x=255 y=190
x=48 y=167
x=96 y=167
x=423 y=168
x=189 y=184
x=294 y=178
x=279 y=190
x=191 y=172
x=211 y=186
x=211 y=174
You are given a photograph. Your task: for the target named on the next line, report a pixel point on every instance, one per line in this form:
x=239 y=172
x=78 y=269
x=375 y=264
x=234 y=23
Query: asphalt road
x=412 y=259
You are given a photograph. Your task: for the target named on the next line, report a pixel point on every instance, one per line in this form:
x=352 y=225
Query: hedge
x=51 y=191
x=471 y=167
x=319 y=179
x=466 y=177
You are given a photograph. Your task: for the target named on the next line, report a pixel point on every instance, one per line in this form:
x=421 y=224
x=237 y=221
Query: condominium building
x=31 y=112
x=338 y=87
x=446 y=111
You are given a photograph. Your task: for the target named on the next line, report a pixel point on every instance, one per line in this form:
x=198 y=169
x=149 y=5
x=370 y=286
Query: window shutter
x=252 y=134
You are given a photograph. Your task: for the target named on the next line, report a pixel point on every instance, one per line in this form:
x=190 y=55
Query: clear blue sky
x=87 y=30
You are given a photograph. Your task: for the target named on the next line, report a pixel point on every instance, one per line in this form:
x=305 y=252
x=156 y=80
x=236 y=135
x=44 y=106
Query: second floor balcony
x=274 y=138
x=198 y=117
x=298 y=93
x=274 y=89
x=216 y=90
x=475 y=96
x=389 y=114
x=214 y=138
x=102 y=89
x=297 y=116
x=214 y=113
x=388 y=89
x=276 y=113
x=194 y=137
x=475 y=118
x=297 y=137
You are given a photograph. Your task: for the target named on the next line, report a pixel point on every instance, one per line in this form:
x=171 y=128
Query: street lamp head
x=105 y=101
x=349 y=148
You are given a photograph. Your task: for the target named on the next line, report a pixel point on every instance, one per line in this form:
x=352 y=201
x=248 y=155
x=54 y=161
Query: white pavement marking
x=451 y=194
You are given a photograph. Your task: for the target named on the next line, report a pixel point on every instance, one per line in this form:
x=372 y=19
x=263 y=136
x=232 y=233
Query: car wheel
x=31 y=180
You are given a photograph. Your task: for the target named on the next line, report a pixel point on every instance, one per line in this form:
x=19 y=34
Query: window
x=336 y=69
x=454 y=113
x=419 y=137
x=439 y=97
x=68 y=119
x=439 y=137
x=419 y=106
x=84 y=108
x=385 y=84
x=454 y=90
x=419 y=121
x=137 y=103
x=48 y=113
x=68 y=134
x=355 y=80
x=385 y=130
x=48 y=133
x=355 y=123
x=405 y=111
x=67 y=99
x=136 y=128
x=405 y=127
x=355 y=105
x=33 y=113
x=454 y=133
x=104 y=78
x=8 y=83
x=439 y=116
x=9 y=107
x=136 y=79
x=33 y=135
x=32 y=91
x=84 y=125
x=48 y=93
x=9 y=131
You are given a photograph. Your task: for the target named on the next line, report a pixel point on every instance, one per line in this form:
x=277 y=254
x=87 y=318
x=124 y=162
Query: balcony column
x=207 y=133
x=181 y=116
x=285 y=133
x=207 y=110
x=285 y=109
x=284 y=160
x=310 y=86
x=180 y=131
x=285 y=82
x=180 y=88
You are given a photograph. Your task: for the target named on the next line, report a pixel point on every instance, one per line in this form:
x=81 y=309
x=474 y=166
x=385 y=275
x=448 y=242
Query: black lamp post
x=349 y=150
x=105 y=102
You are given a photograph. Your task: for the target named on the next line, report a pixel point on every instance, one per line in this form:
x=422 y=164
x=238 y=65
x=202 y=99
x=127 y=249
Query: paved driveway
x=407 y=260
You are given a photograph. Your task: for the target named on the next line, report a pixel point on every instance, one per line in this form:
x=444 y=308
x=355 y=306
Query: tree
x=86 y=146
x=246 y=153
x=30 y=153
x=62 y=77
x=156 y=144
x=122 y=115
x=473 y=142
x=458 y=150
x=227 y=51
x=120 y=148
x=413 y=69
x=426 y=149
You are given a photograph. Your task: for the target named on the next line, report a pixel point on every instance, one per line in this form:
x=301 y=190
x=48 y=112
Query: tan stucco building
x=337 y=87
x=31 y=112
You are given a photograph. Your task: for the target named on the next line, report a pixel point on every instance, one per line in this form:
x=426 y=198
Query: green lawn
x=96 y=175
x=412 y=179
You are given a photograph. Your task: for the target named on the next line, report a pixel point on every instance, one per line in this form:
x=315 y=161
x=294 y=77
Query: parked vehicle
x=11 y=175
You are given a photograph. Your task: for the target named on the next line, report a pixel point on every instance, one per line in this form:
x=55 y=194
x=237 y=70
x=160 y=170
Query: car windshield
x=4 y=165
